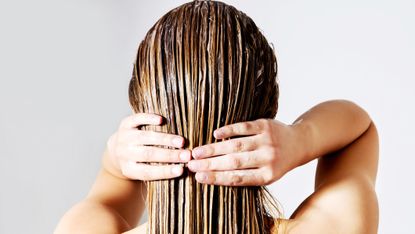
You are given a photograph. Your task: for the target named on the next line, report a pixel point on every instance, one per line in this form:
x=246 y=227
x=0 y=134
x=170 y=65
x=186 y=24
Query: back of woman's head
x=204 y=65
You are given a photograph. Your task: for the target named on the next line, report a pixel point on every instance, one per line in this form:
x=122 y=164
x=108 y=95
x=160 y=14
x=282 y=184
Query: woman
x=216 y=57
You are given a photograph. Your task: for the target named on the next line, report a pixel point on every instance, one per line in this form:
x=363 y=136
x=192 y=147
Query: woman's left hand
x=264 y=151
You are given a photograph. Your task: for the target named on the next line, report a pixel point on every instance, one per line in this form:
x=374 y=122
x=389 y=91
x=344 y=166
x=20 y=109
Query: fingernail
x=185 y=155
x=178 y=142
x=177 y=170
x=201 y=176
x=197 y=152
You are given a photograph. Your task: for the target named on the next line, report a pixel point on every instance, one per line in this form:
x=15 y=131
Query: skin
x=339 y=134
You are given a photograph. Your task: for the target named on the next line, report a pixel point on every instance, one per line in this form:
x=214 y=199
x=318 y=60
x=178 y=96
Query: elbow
x=358 y=114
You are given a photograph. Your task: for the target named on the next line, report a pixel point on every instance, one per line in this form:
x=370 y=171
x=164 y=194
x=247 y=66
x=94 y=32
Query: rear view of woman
x=203 y=142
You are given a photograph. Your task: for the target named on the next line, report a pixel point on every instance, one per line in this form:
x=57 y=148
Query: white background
x=65 y=67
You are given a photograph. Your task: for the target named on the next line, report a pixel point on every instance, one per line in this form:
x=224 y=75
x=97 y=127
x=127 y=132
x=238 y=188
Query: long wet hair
x=202 y=66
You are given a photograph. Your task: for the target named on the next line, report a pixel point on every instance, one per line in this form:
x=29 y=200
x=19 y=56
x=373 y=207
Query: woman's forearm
x=89 y=216
x=330 y=126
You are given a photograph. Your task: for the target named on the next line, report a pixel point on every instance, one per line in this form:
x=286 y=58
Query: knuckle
x=272 y=160
x=252 y=160
x=211 y=178
x=237 y=146
x=121 y=138
x=209 y=150
x=123 y=168
x=229 y=129
x=235 y=179
x=118 y=152
x=268 y=177
x=143 y=174
x=207 y=165
x=253 y=144
x=126 y=136
x=210 y=165
x=260 y=180
x=243 y=127
x=261 y=122
x=235 y=162
x=266 y=125
x=256 y=126
x=268 y=152
x=126 y=121
x=127 y=172
x=214 y=178
x=272 y=151
x=252 y=126
x=265 y=138
x=248 y=126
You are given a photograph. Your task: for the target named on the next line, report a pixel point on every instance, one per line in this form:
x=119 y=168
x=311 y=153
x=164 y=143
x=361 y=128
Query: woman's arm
x=113 y=205
x=330 y=126
x=344 y=195
x=266 y=149
x=339 y=133
x=117 y=198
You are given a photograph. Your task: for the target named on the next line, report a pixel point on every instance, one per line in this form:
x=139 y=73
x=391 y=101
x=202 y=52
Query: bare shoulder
x=344 y=200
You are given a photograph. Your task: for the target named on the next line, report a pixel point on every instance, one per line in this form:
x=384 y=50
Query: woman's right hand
x=130 y=149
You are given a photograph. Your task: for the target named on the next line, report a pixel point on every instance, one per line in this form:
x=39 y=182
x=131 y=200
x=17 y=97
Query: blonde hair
x=204 y=65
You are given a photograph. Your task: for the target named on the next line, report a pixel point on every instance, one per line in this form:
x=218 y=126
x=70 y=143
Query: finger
x=251 y=177
x=141 y=171
x=155 y=154
x=139 y=119
x=225 y=147
x=238 y=129
x=228 y=162
x=141 y=137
